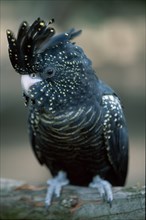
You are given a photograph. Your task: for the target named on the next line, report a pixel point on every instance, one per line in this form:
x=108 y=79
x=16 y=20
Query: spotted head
x=50 y=65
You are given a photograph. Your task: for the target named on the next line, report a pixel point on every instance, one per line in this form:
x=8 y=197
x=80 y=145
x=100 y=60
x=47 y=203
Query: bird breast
x=74 y=127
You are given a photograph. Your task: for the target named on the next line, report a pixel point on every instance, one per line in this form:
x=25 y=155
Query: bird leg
x=104 y=188
x=55 y=185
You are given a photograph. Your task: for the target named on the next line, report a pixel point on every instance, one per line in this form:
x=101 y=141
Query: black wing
x=116 y=137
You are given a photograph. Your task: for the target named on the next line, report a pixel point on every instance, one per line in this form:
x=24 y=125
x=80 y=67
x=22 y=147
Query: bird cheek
x=27 y=82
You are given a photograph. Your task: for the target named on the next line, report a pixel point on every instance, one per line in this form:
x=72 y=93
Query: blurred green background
x=113 y=38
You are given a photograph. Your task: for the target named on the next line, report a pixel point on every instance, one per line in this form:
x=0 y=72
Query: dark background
x=113 y=38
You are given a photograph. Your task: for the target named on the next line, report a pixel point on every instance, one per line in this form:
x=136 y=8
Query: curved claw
x=54 y=187
x=104 y=188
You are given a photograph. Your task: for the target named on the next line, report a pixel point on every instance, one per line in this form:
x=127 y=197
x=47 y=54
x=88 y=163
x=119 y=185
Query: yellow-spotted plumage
x=76 y=122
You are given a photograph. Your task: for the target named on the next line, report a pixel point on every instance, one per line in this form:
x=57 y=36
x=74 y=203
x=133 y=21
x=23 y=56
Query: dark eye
x=50 y=72
x=32 y=75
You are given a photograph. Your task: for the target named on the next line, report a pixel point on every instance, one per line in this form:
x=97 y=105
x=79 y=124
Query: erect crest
x=32 y=40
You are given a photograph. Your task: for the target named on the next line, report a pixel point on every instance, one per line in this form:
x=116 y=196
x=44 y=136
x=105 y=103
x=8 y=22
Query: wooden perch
x=23 y=201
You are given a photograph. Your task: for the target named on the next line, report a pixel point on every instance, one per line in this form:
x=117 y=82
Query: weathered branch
x=24 y=201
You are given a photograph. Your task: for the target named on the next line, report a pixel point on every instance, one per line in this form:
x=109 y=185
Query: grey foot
x=55 y=185
x=104 y=188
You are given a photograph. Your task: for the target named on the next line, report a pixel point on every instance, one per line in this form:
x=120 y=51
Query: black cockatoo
x=76 y=123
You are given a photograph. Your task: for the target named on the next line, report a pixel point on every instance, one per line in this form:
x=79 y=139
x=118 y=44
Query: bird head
x=54 y=71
